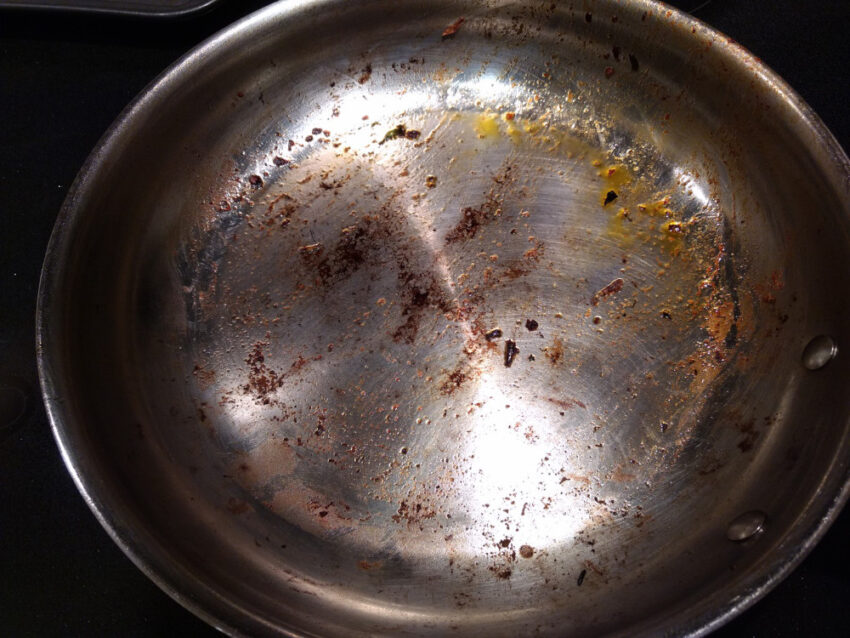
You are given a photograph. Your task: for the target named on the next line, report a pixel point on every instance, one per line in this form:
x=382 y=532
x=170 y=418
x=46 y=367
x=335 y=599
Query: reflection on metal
x=265 y=312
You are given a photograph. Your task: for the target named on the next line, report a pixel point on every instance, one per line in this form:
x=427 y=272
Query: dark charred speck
x=666 y=315
x=309 y=138
x=664 y=426
x=581 y=577
x=511 y=351
x=412 y=135
x=616 y=52
x=588 y=17
x=531 y=357
x=316 y=131
x=395 y=133
x=279 y=161
x=634 y=62
x=365 y=74
x=610 y=196
x=495 y=333
x=531 y=325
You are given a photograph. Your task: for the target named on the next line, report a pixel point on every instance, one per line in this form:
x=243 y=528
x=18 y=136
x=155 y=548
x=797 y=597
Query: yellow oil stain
x=672 y=236
x=620 y=229
x=658 y=208
x=487 y=126
x=615 y=175
x=532 y=127
x=514 y=133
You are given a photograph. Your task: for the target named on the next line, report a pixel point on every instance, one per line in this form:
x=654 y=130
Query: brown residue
x=473 y=218
x=619 y=476
x=471 y=221
x=501 y=572
x=365 y=74
x=413 y=513
x=721 y=318
x=455 y=379
x=567 y=404
x=236 y=506
x=612 y=288
x=205 y=377
x=262 y=380
x=450 y=30
x=419 y=292
x=511 y=351
x=750 y=433
x=555 y=352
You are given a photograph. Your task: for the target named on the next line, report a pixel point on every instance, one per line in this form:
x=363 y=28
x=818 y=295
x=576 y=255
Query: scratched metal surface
x=455 y=327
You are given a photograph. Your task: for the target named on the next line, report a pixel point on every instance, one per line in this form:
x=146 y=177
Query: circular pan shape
x=283 y=323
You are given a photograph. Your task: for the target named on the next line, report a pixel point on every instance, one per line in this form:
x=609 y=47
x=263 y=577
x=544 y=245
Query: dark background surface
x=63 y=79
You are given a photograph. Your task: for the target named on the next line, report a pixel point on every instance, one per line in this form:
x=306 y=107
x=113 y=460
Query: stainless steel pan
x=457 y=318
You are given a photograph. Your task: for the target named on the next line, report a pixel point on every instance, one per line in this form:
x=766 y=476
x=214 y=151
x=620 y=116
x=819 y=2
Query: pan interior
x=489 y=326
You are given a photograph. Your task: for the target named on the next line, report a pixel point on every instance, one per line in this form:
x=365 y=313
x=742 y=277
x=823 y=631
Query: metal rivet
x=820 y=351
x=746 y=526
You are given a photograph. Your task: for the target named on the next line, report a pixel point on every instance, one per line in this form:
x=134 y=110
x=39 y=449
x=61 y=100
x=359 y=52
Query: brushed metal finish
x=366 y=320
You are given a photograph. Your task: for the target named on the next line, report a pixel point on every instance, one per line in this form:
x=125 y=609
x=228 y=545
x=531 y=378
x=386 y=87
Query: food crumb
x=614 y=287
x=452 y=28
x=511 y=351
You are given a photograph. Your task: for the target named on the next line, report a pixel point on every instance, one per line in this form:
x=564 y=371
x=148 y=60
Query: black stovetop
x=63 y=79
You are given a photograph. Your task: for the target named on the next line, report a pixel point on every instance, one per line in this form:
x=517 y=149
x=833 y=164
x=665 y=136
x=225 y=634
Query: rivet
x=746 y=526
x=820 y=351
